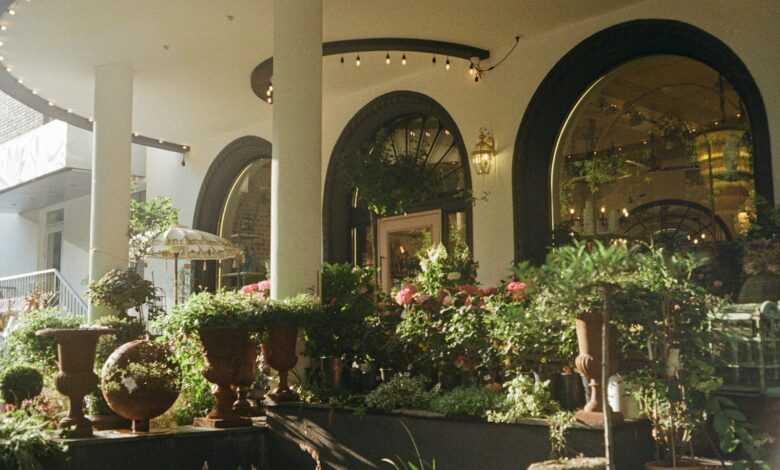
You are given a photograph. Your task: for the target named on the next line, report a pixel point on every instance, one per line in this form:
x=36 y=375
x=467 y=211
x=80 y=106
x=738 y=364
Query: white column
x=110 y=194
x=296 y=199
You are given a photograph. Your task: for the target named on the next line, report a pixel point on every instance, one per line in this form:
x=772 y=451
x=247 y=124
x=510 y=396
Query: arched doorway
x=547 y=127
x=234 y=202
x=399 y=128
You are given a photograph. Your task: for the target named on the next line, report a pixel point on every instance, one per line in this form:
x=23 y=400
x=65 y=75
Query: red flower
x=517 y=290
x=405 y=296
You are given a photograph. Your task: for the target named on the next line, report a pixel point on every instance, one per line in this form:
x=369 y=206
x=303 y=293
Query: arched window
x=398 y=180
x=659 y=150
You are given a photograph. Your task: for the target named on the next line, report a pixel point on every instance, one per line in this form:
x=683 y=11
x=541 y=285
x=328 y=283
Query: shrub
x=128 y=329
x=206 y=310
x=28 y=441
x=19 y=383
x=120 y=290
x=526 y=398
x=24 y=346
x=400 y=392
x=466 y=401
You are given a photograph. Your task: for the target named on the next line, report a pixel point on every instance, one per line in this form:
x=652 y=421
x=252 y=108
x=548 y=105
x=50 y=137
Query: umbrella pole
x=176 y=279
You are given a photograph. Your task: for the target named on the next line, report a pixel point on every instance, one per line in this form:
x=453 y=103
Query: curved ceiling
x=193 y=58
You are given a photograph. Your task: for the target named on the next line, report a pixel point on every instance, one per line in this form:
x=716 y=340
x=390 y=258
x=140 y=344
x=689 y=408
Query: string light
x=357 y=60
x=472 y=70
x=11 y=12
x=342 y=59
x=387 y=59
x=433 y=61
x=3 y=28
x=447 y=64
x=403 y=59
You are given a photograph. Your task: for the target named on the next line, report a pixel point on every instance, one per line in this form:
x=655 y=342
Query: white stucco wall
x=18 y=243
x=498 y=102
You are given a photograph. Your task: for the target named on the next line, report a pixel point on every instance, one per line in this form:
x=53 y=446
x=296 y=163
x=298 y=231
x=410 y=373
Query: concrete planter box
x=340 y=439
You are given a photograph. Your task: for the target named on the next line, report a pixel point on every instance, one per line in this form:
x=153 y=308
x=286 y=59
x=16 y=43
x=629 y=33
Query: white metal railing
x=49 y=283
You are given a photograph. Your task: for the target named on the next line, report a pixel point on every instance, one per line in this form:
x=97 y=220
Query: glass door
x=400 y=240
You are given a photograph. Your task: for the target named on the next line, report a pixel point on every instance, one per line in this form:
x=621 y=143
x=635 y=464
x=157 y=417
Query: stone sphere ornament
x=140 y=381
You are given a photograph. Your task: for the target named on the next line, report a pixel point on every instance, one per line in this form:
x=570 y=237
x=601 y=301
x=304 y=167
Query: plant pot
x=246 y=378
x=76 y=377
x=682 y=465
x=759 y=288
x=225 y=359
x=137 y=398
x=279 y=352
x=588 y=363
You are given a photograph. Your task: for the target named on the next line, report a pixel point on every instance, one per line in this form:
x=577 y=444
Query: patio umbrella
x=185 y=243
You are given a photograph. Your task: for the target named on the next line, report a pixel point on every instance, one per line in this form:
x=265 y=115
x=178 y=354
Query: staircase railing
x=15 y=289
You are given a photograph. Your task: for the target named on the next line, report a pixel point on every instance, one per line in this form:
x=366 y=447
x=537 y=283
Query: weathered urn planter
x=140 y=381
x=76 y=377
x=246 y=377
x=588 y=363
x=279 y=352
x=226 y=357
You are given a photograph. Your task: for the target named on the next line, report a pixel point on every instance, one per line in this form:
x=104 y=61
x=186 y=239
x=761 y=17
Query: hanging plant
x=391 y=181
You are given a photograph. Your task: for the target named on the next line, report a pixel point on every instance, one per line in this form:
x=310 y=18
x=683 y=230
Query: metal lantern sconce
x=484 y=153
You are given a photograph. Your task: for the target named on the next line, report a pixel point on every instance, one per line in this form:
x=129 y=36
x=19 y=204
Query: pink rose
x=517 y=290
x=405 y=296
x=250 y=289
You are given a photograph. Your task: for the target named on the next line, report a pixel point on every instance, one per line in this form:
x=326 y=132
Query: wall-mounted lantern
x=484 y=153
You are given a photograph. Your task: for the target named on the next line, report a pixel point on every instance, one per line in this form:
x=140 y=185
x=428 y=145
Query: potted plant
x=76 y=377
x=119 y=291
x=19 y=383
x=281 y=319
x=224 y=322
x=140 y=381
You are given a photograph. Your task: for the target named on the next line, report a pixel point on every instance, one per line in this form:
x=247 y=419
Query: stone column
x=296 y=196
x=110 y=193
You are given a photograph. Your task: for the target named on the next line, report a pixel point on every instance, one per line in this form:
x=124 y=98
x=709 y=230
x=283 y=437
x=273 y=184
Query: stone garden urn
x=279 y=352
x=246 y=378
x=140 y=381
x=226 y=357
x=588 y=364
x=76 y=377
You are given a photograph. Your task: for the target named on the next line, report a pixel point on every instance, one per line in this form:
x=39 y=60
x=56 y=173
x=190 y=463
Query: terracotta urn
x=225 y=361
x=588 y=364
x=76 y=377
x=131 y=391
x=246 y=378
x=279 y=352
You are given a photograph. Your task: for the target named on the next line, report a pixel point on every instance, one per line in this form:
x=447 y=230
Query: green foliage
x=391 y=181
x=440 y=269
x=155 y=370
x=208 y=310
x=400 y=392
x=298 y=310
x=19 y=383
x=148 y=219
x=128 y=329
x=466 y=401
x=195 y=398
x=526 y=398
x=420 y=464
x=764 y=222
x=736 y=433
x=342 y=330
x=120 y=290
x=560 y=423
x=28 y=441
x=23 y=346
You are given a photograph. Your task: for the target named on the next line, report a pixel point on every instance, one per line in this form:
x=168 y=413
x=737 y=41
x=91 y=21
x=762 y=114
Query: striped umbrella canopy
x=180 y=242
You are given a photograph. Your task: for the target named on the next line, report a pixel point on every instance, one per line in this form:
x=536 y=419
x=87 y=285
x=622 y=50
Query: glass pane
x=456 y=225
x=54 y=251
x=246 y=221
x=405 y=245
x=659 y=150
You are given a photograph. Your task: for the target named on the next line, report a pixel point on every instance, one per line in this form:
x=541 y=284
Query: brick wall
x=16 y=118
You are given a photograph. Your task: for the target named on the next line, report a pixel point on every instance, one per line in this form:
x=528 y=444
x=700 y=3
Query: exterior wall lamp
x=484 y=154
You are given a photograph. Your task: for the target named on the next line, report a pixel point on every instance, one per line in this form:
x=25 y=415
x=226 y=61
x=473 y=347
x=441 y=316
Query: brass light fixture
x=484 y=153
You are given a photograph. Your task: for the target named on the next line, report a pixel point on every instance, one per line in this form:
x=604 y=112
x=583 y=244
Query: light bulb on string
x=403 y=59
x=387 y=59
x=472 y=71
x=357 y=61
x=447 y=64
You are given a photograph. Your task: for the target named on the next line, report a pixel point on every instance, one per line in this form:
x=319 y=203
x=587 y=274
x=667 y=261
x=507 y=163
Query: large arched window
x=679 y=131
x=234 y=202
x=398 y=180
x=658 y=150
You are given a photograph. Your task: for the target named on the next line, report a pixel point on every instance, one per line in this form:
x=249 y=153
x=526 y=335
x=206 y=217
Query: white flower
x=453 y=276
x=129 y=384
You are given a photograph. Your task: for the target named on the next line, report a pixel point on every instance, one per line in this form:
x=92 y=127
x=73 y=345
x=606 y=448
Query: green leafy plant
x=19 y=383
x=560 y=423
x=466 y=401
x=391 y=181
x=298 y=310
x=526 y=397
x=209 y=310
x=121 y=290
x=148 y=219
x=153 y=371
x=28 y=441
x=419 y=464
x=400 y=392
x=24 y=346
x=442 y=269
